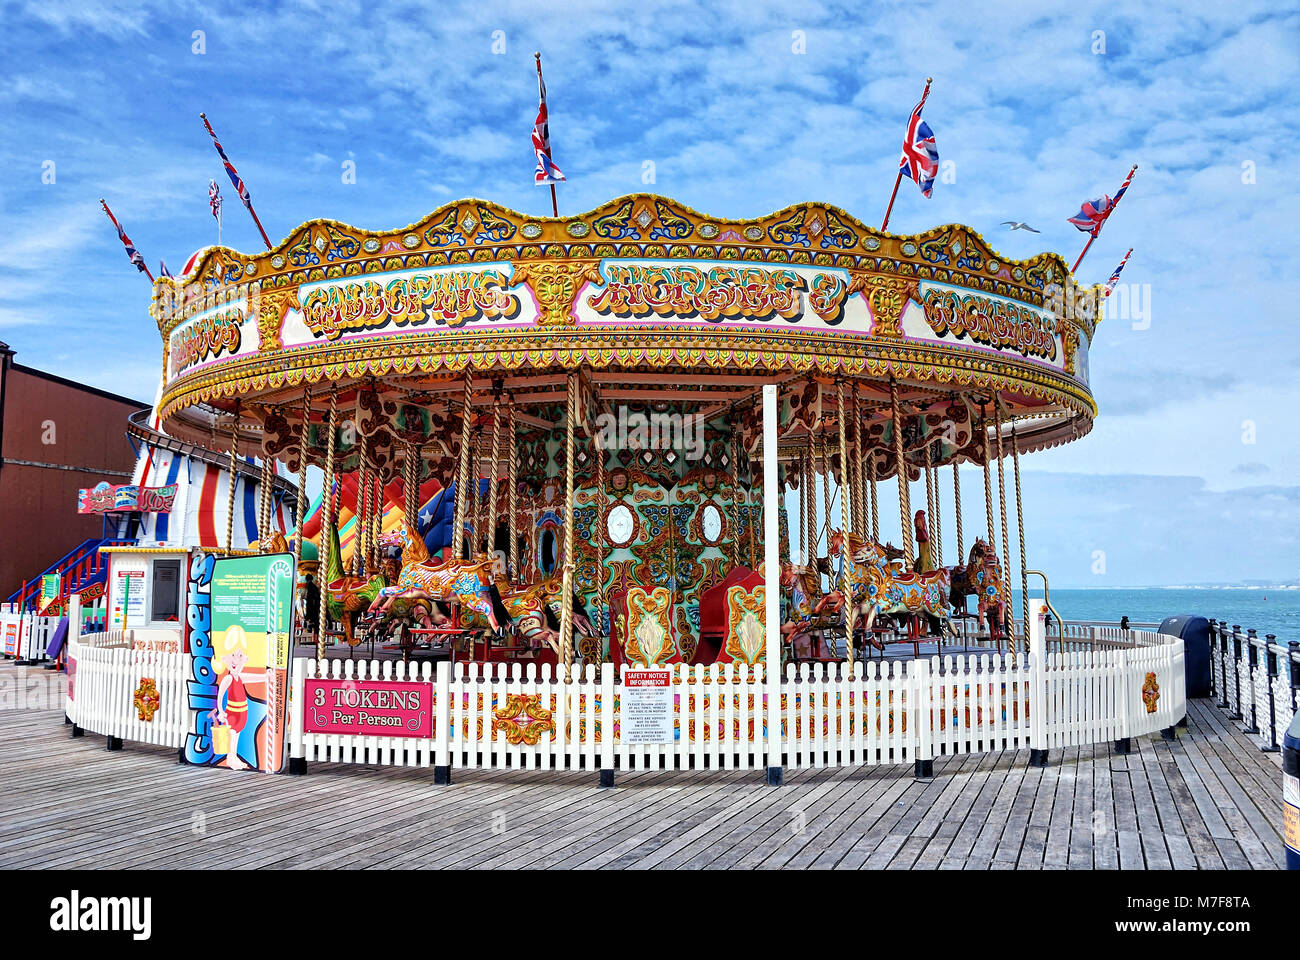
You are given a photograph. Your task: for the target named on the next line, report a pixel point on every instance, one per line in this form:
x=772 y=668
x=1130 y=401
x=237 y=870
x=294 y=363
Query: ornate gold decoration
x=1150 y=692
x=887 y=297
x=746 y=635
x=271 y=308
x=556 y=286
x=146 y=699
x=648 y=639
x=523 y=719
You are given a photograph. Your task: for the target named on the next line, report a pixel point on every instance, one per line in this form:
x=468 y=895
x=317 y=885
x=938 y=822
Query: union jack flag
x=162 y=269
x=1114 y=277
x=240 y=189
x=920 y=160
x=214 y=198
x=132 y=253
x=1094 y=212
x=547 y=171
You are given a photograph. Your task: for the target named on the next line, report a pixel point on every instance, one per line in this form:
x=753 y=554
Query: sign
x=369 y=707
x=647 y=706
x=49 y=592
x=251 y=624
x=201 y=685
x=108 y=498
x=1291 y=812
x=126 y=591
x=13 y=630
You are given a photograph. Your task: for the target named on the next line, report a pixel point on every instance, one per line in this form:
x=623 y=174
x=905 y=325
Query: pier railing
x=1255 y=679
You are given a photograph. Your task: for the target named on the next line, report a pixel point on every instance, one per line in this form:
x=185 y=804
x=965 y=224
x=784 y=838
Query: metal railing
x=1255 y=679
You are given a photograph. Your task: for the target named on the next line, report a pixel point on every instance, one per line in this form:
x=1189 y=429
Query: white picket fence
x=886 y=712
x=34 y=633
x=104 y=673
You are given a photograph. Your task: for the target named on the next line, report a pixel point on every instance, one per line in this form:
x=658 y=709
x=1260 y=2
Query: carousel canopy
x=655 y=303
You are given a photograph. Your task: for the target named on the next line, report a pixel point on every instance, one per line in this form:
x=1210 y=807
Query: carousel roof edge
x=848 y=234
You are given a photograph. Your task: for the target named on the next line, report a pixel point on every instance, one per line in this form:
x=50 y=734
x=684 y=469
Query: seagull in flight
x=1019 y=225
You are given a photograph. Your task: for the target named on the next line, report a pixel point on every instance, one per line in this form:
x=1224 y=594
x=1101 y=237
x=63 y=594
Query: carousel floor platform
x=1210 y=799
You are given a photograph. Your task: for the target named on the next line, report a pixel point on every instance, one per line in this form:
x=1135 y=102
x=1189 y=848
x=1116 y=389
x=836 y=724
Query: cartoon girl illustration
x=235 y=714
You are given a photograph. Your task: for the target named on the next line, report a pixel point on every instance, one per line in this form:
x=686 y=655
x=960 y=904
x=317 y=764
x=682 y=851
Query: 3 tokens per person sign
x=647 y=706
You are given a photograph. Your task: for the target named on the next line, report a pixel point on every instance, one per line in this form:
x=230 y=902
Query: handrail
x=1047 y=599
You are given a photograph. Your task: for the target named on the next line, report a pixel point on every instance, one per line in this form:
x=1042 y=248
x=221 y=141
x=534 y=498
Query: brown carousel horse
x=535 y=611
x=981 y=578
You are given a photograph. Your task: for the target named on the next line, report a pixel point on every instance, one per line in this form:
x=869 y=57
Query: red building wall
x=39 y=479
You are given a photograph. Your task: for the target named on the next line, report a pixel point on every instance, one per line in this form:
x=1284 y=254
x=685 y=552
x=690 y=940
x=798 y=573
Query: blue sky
x=1033 y=112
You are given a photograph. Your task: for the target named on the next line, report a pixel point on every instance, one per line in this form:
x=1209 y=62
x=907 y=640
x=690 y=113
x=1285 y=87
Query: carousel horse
x=888 y=591
x=423 y=582
x=981 y=577
x=810 y=610
x=536 y=610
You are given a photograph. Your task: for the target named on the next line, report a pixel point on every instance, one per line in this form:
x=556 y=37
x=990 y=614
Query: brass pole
x=1006 y=550
x=513 y=496
x=904 y=494
x=566 y=607
x=462 y=472
x=234 y=477
x=846 y=514
x=327 y=525
x=1020 y=529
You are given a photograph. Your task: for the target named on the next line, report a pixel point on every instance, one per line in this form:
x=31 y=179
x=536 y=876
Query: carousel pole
x=988 y=487
x=462 y=472
x=230 y=499
x=733 y=507
x=492 y=512
x=875 y=514
x=1020 y=529
x=1006 y=550
x=846 y=516
x=361 y=540
x=754 y=513
x=805 y=485
x=824 y=527
x=859 y=492
x=512 y=498
x=929 y=503
x=566 y=607
x=904 y=494
x=956 y=498
x=302 y=476
x=602 y=504
x=411 y=487
x=327 y=524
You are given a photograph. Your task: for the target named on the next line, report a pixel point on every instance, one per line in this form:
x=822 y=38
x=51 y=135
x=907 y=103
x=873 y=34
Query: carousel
x=542 y=438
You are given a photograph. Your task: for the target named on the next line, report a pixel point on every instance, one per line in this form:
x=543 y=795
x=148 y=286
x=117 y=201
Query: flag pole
x=234 y=178
x=555 y=210
x=121 y=235
x=899 y=178
x=1115 y=203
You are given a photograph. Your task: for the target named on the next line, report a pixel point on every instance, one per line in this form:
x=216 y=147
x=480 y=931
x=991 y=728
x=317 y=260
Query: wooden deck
x=1210 y=800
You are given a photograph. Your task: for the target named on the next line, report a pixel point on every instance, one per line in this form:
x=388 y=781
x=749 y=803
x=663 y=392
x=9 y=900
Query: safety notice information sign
x=647 y=706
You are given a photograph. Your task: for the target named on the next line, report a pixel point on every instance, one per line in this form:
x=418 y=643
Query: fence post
x=772 y=573
x=1270 y=672
x=297 y=717
x=1252 y=664
x=923 y=719
x=1037 y=687
x=74 y=636
x=607 y=724
x=1223 y=664
x=1235 y=713
x=442 y=724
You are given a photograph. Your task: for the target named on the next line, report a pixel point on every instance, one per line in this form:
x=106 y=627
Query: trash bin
x=1291 y=793
x=1195 y=634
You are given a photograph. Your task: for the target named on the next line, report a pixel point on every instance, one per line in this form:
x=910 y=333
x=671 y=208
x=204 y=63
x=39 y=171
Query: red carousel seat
x=713 y=613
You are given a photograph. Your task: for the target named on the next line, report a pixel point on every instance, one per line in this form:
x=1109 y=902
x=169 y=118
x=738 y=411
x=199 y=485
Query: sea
x=1264 y=609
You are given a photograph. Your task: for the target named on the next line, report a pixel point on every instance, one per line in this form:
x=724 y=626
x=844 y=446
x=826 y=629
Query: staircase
x=79 y=568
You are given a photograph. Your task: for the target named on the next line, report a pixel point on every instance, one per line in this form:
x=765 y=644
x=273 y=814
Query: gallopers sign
x=239 y=616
